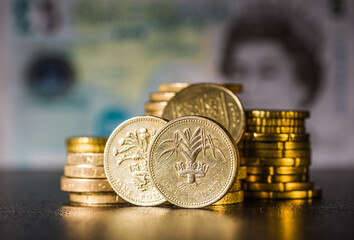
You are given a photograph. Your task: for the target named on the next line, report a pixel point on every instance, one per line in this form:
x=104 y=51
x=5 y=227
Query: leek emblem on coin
x=190 y=145
x=126 y=157
x=193 y=161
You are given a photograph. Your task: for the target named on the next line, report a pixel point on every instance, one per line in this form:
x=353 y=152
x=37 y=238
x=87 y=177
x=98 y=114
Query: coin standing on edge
x=126 y=160
x=193 y=161
x=212 y=101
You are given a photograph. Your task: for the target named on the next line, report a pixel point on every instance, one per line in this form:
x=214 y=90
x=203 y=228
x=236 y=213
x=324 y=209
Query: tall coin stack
x=276 y=150
x=84 y=176
x=166 y=91
x=155 y=107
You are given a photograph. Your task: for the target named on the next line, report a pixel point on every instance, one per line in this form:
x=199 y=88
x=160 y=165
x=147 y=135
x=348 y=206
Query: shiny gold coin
x=84 y=171
x=154 y=113
x=285 y=195
x=126 y=160
x=231 y=198
x=267 y=170
x=193 y=161
x=85 y=185
x=277 y=145
x=161 y=96
x=86 y=145
x=176 y=87
x=237 y=186
x=211 y=101
x=95 y=159
x=95 y=198
x=275 y=122
x=155 y=106
x=242 y=172
x=290 y=186
x=267 y=137
x=253 y=152
x=276 y=178
x=276 y=162
x=276 y=130
x=277 y=114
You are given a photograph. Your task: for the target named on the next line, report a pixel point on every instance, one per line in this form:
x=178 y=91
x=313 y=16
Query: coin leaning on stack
x=166 y=91
x=84 y=177
x=277 y=152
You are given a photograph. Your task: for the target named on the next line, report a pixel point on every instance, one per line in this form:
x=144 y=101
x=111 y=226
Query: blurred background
x=81 y=67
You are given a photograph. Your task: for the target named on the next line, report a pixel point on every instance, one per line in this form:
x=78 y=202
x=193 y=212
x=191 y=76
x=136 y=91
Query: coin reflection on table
x=148 y=223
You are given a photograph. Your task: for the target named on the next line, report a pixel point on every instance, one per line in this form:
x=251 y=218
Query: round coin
x=193 y=161
x=95 y=198
x=84 y=171
x=290 y=186
x=85 y=158
x=211 y=101
x=268 y=170
x=267 y=137
x=154 y=113
x=231 y=198
x=276 y=162
x=86 y=144
x=277 y=145
x=161 y=96
x=276 y=130
x=275 y=122
x=276 y=178
x=301 y=194
x=85 y=185
x=126 y=157
x=277 y=114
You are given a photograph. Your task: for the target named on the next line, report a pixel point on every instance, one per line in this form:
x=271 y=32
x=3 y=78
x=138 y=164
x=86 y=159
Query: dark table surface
x=33 y=207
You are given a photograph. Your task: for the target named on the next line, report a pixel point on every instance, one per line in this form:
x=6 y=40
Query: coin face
x=193 y=161
x=211 y=101
x=126 y=158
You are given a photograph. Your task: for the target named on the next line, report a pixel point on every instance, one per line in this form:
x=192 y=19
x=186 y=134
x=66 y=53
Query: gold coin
x=236 y=186
x=85 y=185
x=154 y=113
x=211 y=101
x=253 y=152
x=84 y=171
x=276 y=130
x=277 y=114
x=193 y=161
x=86 y=145
x=275 y=122
x=242 y=172
x=285 y=195
x=176 y=87
x=231 y=198
x=85 y=158
x=155 y=106
x=290 y=186
x=95 y=198
x=267 y=137
x=268 y=170
x=161 y=96
x=276 y=178
x=126 y=158
x=277 y=145
x=276 y=162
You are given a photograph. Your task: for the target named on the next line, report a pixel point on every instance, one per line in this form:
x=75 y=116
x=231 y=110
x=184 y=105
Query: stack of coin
x=166 y=91
x=84 y=176
x=276 y=150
